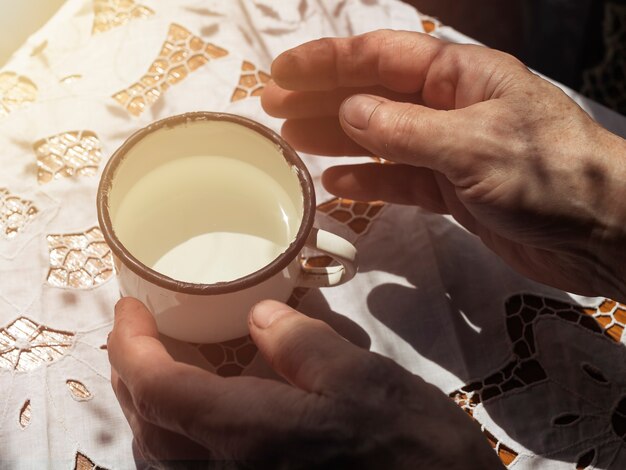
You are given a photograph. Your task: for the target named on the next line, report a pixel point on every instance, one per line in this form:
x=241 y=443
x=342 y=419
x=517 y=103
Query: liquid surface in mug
x=207 y=219
x=218 y=256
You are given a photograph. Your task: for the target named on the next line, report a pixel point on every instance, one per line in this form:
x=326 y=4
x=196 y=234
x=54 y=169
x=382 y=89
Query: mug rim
x=169 y=283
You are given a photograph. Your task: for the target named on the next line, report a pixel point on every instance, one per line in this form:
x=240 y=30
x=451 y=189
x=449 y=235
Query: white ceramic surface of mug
x=206 y=214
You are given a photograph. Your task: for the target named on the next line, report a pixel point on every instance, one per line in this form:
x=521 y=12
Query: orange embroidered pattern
x=251 y=82
x=82 y=462
x=181 y=54
x=79 y=260
x=522 y=311
x=15 y=91
x=356 y=215
x=75 y=153
x=612 y=316
x=468 y=401
x=26 y=345
x=109 y=14
x=15 y=213
x=429 y=25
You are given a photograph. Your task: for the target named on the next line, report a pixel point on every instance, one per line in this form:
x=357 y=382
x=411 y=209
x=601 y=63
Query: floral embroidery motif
x=15 y=213
x=15 y=91
x=79 y=260
x=356 y=215
x=251 y=82
x=25 y=415
x=109 y=14
x=74 y=153
x=522 y=311
x=26 y=345
x=78 y=390
x=181 y=54
x=231 y=357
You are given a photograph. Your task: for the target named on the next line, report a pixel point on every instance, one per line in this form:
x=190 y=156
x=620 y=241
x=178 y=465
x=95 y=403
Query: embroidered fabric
x=541 y=371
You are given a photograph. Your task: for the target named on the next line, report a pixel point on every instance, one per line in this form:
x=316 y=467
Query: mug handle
x=337 y=248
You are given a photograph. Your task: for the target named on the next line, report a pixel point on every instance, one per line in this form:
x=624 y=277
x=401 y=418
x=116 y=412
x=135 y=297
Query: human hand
x=343 y=406
x=474 y=134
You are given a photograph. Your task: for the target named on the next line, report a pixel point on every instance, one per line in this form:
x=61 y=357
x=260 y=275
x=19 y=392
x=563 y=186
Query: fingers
x=282 y=103
x=398 y=61
x=154 y=442
x=445 y=141
x=398 y=184
x=187 y=400
x=306 y=352
x=320 y=136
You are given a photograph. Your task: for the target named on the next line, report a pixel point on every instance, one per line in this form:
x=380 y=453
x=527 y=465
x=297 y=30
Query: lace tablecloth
x=542 y=371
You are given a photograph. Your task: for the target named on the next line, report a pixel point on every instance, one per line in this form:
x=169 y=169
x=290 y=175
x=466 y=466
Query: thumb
x=409 y=133
x=306 y=352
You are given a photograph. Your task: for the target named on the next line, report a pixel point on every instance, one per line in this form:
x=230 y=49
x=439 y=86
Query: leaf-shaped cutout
x=565 y=419
x=203 y=11
x=586 y=459
x=595 y=373
x=78 y=390
x=210 y=30
x=25 y=414
x=267 y=11
x=39 y=49
x=277 y=31
x=71 y=78
x=302 y=8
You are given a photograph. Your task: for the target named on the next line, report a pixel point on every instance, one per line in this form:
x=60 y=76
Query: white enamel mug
x=206 y=214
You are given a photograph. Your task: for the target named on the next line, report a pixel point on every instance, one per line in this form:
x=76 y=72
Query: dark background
x=559 y=38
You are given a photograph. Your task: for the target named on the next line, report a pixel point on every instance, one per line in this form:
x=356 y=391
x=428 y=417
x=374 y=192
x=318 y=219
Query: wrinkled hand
x=343 y=405
x=474 y=134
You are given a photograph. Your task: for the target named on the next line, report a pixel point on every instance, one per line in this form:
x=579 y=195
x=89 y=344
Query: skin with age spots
x=472 y=133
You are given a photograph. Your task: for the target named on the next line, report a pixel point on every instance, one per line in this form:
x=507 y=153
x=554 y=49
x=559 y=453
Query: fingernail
x=266 y=313
x=358 y=109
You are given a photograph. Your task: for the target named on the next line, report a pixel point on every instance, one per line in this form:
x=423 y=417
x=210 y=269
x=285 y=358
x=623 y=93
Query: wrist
x=608 y=172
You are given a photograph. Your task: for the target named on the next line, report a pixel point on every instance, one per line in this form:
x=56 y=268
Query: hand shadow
x=523 y=356
x=448 y=304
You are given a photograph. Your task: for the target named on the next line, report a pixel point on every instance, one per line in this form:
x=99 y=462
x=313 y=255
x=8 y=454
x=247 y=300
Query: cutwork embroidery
x=74 y=153
x=15 y=92
x=110 y=14
x=79 y=260
x=181 y=54
x=15 y=213
x=26 y=345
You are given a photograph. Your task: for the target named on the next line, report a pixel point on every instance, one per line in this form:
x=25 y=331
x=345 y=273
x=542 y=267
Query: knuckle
x=293 y=351
x=398 y=128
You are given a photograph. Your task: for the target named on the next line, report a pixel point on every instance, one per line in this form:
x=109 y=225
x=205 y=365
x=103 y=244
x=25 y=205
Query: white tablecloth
x=541 y=376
